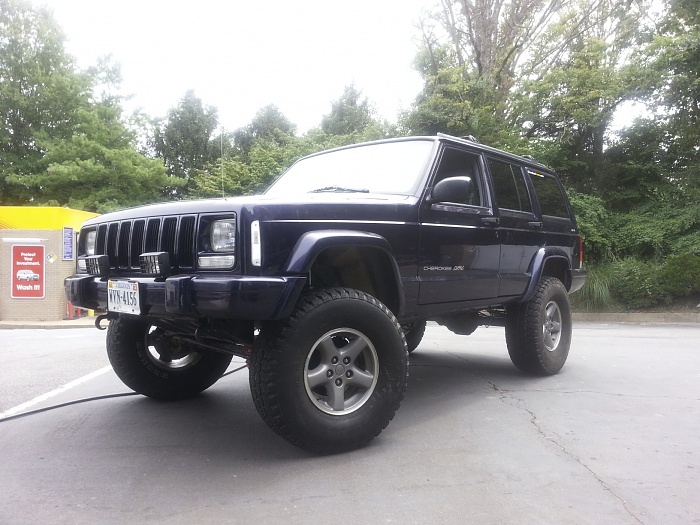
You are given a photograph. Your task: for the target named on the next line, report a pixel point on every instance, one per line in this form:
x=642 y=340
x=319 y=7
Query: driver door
x=459 y=244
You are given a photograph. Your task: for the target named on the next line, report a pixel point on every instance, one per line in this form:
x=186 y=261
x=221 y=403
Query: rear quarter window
x=550 y=195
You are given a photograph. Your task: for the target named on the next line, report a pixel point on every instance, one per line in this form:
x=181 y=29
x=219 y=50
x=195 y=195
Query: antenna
x=223 y=194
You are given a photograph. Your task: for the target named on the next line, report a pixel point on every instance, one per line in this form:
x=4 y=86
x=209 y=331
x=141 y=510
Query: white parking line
x=52 y=393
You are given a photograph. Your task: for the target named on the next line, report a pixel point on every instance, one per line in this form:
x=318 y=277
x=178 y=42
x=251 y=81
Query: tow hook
x=99 y=319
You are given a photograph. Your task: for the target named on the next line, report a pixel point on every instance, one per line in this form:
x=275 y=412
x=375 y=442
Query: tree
x=269 y=125
x=471 y=57
x=183 y=139
x=40 y=92
x=676 y=53
x=571 y=103
x=350 y=114
x=503 y=70
x=97 y=168
x=61 y=144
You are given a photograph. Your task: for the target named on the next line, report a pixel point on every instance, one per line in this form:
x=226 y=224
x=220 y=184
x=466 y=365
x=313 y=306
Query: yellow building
x=37 y=252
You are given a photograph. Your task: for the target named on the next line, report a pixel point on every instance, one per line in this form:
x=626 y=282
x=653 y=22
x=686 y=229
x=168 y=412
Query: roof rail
x=470 y=138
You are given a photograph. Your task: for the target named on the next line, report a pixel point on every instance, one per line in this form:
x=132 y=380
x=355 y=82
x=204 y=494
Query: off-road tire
x=292 y=357
x=414 y=333
x=136 y=365
x=538 y=332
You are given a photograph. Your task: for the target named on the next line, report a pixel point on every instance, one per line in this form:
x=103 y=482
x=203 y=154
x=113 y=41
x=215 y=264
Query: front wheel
x=538 y=332
x=331 y=377
x=414 y=333
x=159 y=364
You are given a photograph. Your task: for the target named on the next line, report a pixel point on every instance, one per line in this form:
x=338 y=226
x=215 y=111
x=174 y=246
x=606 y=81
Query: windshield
x=385 y=167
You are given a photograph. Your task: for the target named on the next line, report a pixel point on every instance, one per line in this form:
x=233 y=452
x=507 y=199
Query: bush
x=595 y=296
x=638 y=284
x=680 y=276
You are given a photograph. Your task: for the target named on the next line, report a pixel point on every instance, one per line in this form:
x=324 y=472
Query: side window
x=549 y=194
x=458 y=163
x=510 y=187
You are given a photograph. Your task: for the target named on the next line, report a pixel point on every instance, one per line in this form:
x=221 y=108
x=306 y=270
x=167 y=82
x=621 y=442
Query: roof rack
x=471 y=138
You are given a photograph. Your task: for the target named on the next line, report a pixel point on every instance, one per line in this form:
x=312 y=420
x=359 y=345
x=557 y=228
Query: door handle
x=490 y=221
x=535 y=225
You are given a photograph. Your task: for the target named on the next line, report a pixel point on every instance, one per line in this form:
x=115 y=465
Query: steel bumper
x=250 y=298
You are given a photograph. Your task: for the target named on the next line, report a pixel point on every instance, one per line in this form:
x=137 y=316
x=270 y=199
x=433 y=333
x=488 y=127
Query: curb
x=604 y=318
x=639 y=318
x=83 y=322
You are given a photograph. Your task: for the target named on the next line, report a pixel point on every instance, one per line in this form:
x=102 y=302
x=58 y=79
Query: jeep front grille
x=124 y=241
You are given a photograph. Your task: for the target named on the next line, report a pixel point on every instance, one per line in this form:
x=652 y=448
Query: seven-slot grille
x=124 y=241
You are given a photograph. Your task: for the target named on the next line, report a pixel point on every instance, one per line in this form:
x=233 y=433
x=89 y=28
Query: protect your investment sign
x=27 y=272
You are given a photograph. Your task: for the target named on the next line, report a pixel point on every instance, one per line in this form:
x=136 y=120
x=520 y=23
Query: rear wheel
x=538 y=333
x=331 y=377
x=159 y=364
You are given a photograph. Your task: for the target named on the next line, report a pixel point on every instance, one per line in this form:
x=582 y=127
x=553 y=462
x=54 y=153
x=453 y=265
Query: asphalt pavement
x=611 y=439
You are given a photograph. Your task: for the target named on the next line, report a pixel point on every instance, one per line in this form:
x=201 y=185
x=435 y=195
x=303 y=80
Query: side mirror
x=454 y=189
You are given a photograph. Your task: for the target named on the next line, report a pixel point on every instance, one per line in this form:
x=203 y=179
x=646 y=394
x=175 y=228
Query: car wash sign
x=27 y=272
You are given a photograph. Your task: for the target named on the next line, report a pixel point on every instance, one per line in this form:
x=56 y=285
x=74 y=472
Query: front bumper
x=224 y=297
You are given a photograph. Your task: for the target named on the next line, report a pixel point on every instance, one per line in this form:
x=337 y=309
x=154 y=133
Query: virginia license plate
x=123 y=297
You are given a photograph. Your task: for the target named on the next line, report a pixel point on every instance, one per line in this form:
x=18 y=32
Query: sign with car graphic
x=27 y=272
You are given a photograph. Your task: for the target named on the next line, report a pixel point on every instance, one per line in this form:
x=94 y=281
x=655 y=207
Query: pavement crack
x=595 y=392
x=508 y=397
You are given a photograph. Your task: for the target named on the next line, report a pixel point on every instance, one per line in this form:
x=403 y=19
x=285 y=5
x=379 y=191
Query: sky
x=242 y=55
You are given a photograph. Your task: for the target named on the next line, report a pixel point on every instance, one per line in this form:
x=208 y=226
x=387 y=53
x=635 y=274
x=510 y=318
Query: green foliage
x=97 y=169
x=594 y=222
x=596 y=294
x=349 y=114
x=633 y=284
x=637 y=284
x=58 y=145
x=269 y=124
x=40 y=91
x=665 y=226
x=183 y=139
x=681 y=275
x=632 y=175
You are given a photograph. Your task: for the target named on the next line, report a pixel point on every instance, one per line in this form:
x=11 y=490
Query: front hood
x=304 y=206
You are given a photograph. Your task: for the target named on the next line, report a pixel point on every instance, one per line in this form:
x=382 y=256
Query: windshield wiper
x=339 y=189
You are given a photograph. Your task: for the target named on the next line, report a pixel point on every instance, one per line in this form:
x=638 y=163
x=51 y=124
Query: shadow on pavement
x=221 y=425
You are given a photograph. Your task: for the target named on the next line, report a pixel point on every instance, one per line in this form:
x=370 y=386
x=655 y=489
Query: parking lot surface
x=611 y=439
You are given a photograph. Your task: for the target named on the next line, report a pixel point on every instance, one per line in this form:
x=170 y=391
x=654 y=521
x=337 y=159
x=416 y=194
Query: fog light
x=97 y=265
x=155 y=263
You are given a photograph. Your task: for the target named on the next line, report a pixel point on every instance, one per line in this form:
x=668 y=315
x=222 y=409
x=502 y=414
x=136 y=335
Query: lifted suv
x=326 y=281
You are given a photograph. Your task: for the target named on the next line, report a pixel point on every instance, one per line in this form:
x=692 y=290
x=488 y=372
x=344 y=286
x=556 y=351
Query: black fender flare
x=537 y=267
x=312 y=243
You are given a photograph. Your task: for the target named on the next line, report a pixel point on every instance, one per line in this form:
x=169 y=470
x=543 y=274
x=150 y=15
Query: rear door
x=521 y=233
